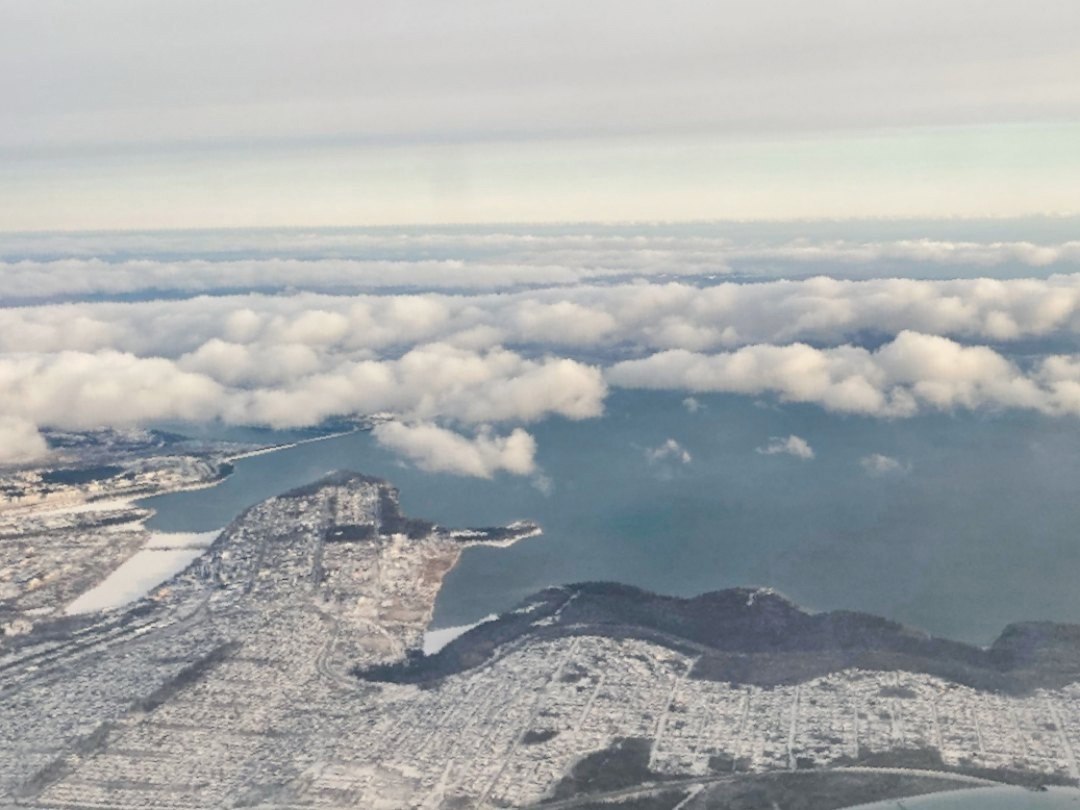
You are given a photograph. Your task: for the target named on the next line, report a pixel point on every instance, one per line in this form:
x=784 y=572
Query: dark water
x=1009 y=798
x=978 y=530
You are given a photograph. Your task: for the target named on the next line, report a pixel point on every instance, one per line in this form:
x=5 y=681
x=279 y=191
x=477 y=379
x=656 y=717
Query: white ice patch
x=435 y=640
x=84 y=507
x=174 y=540
x=163 y=556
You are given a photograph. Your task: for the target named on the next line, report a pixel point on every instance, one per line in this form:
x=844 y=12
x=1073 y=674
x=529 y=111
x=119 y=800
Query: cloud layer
x=911 y=373
x=82 y=390
x=351 y=262
x=282 y=70
x=467 y=351
x=640 y=315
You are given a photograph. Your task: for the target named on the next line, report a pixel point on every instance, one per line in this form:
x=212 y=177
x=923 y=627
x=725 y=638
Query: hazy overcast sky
x=129 y=113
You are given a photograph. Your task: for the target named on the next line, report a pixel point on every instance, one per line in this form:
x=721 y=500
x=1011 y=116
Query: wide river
x=974 y=526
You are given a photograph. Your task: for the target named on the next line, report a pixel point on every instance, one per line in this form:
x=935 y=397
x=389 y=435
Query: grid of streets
x=231 y=685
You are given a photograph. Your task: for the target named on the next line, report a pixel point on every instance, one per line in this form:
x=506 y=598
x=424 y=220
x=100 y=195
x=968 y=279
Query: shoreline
x=273 y=448
x=123 y=500
x=140 y=513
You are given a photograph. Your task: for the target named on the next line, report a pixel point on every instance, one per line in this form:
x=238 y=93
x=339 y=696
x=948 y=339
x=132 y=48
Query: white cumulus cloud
x=791 y=445
x=20 y=441
x=911 y=373
x=437 y=449
x=669 y=450
x=879 y=465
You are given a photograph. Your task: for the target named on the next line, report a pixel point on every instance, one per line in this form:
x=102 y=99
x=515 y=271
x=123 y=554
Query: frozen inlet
x=435 y=640
x=163 y=556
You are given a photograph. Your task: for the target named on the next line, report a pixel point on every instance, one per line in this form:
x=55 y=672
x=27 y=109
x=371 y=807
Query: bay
x=970 y=526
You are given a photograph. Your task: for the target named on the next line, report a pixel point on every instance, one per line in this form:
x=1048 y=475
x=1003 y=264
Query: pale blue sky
x=123 y=114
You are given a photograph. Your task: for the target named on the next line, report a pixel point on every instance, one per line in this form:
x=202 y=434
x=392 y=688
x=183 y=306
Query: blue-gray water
x=1010 y=798
x=978 y=528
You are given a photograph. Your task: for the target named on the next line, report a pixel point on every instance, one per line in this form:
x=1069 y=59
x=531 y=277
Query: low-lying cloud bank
x=640 y=316
x=70 y=265
x=912 y=373
x=80 y=390
x=436 y=386
x=76 y=390
x=499 y=264
x=536 y=327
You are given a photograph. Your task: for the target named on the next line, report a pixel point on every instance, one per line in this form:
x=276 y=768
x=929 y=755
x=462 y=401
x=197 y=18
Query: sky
x=306 y=140
x=122 y=114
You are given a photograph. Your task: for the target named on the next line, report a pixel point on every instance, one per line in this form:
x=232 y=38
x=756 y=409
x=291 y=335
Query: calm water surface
x=987 y=799
x=977 y=528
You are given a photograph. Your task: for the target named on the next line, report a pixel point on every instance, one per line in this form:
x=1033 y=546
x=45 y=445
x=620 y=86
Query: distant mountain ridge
x=757 y=636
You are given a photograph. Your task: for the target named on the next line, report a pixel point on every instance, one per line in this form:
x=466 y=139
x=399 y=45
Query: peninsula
x=283 y=667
